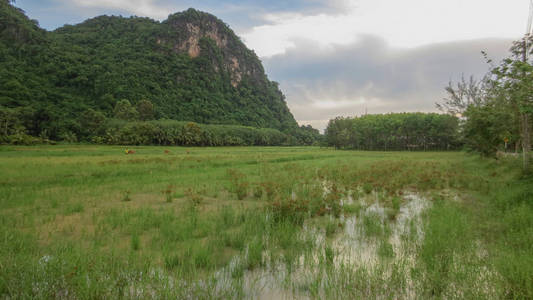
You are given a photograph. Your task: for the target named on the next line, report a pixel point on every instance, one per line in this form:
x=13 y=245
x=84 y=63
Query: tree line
x=395 y=131
x=136 y=125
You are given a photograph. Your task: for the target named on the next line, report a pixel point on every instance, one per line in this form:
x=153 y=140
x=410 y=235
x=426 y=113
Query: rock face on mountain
x=192 y=67
x=186 y=30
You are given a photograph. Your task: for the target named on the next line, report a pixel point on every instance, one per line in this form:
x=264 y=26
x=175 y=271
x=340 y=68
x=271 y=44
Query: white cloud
x=406 y=23
x=338 y=104
x=137 y=7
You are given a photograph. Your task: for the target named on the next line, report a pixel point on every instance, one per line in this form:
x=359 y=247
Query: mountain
x=190 y=67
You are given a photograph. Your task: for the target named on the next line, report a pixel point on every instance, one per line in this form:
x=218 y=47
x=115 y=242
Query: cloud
x=241 y=14
x=148 y=8
x=406 y=23
x=322 y=82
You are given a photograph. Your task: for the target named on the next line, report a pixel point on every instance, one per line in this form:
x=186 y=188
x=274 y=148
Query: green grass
x=91 y=222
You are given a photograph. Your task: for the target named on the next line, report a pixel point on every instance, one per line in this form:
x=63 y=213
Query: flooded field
x=83 y=222
x=366 y=241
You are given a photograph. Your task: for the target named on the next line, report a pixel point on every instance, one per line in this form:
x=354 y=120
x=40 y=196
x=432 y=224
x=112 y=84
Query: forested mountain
x=190 y=67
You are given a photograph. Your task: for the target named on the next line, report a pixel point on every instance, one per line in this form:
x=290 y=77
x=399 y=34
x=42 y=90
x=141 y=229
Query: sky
x=343 y=57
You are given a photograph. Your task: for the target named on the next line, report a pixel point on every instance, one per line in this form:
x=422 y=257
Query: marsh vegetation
x=90 y=222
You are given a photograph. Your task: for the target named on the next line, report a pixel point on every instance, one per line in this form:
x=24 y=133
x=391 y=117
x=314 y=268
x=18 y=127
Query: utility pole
x=526 y=135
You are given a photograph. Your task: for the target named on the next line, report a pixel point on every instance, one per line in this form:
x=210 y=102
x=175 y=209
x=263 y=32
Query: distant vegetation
x=399 y=131
x=486 y=116
x=177 y=133
x=63 y=85
x=96 y=128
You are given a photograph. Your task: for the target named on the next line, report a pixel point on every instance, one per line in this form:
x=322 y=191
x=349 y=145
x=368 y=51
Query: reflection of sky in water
x=351 y=247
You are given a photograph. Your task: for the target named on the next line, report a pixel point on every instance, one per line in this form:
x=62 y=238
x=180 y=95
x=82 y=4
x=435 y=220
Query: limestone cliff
x=185 y=31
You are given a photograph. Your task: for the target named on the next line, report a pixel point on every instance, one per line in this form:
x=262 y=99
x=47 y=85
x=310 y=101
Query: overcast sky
x=342 y=57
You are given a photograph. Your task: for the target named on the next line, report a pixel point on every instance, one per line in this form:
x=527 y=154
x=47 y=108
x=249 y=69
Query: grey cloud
x=241 y=14
x=333 y=7
x=391 y=80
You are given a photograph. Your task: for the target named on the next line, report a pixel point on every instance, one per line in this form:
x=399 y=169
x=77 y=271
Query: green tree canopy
x=125 y=111
x=395 y=131
x=145 y=109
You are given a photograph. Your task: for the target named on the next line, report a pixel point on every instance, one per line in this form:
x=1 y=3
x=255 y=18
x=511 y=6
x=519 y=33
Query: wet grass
x=89 y=222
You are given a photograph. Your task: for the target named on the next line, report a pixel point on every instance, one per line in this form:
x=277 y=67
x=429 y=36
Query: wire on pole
x=528 y=31
x=530 y=19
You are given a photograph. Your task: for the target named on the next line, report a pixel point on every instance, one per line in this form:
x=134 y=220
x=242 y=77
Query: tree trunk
x=526 y=136
x=526 y=141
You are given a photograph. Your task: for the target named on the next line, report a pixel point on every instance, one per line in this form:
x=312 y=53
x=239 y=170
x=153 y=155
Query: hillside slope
x=191 y=67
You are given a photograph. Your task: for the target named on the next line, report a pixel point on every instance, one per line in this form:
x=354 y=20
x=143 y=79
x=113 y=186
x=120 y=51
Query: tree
x=486 y=127
x=499 y=107
x=462 y=95
x=91 y=122
x=10 y=121
x=191 y=134
x=145 y=108
x=124 y=111
x=514 y=79
x=106 y=102
x=485 y=116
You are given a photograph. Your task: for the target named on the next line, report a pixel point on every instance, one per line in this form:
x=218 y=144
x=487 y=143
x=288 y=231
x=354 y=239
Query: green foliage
x=125 y=111
x=135 y=242
x=15 y=27
x=487 y=127
x=489 y=115
x=91 y=122
x=83 y=70
x=11 y=121
x=177 y=133
x=145 y=109
x=497 y=110
x=397 y=131
x=12 y=127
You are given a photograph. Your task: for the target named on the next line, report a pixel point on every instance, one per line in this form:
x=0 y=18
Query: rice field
x=97 y=222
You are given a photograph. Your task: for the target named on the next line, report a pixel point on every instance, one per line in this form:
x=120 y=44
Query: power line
x=529 y=30
x=530 y=19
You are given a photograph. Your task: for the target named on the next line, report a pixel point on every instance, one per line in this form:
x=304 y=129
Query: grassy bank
x=92 y=222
